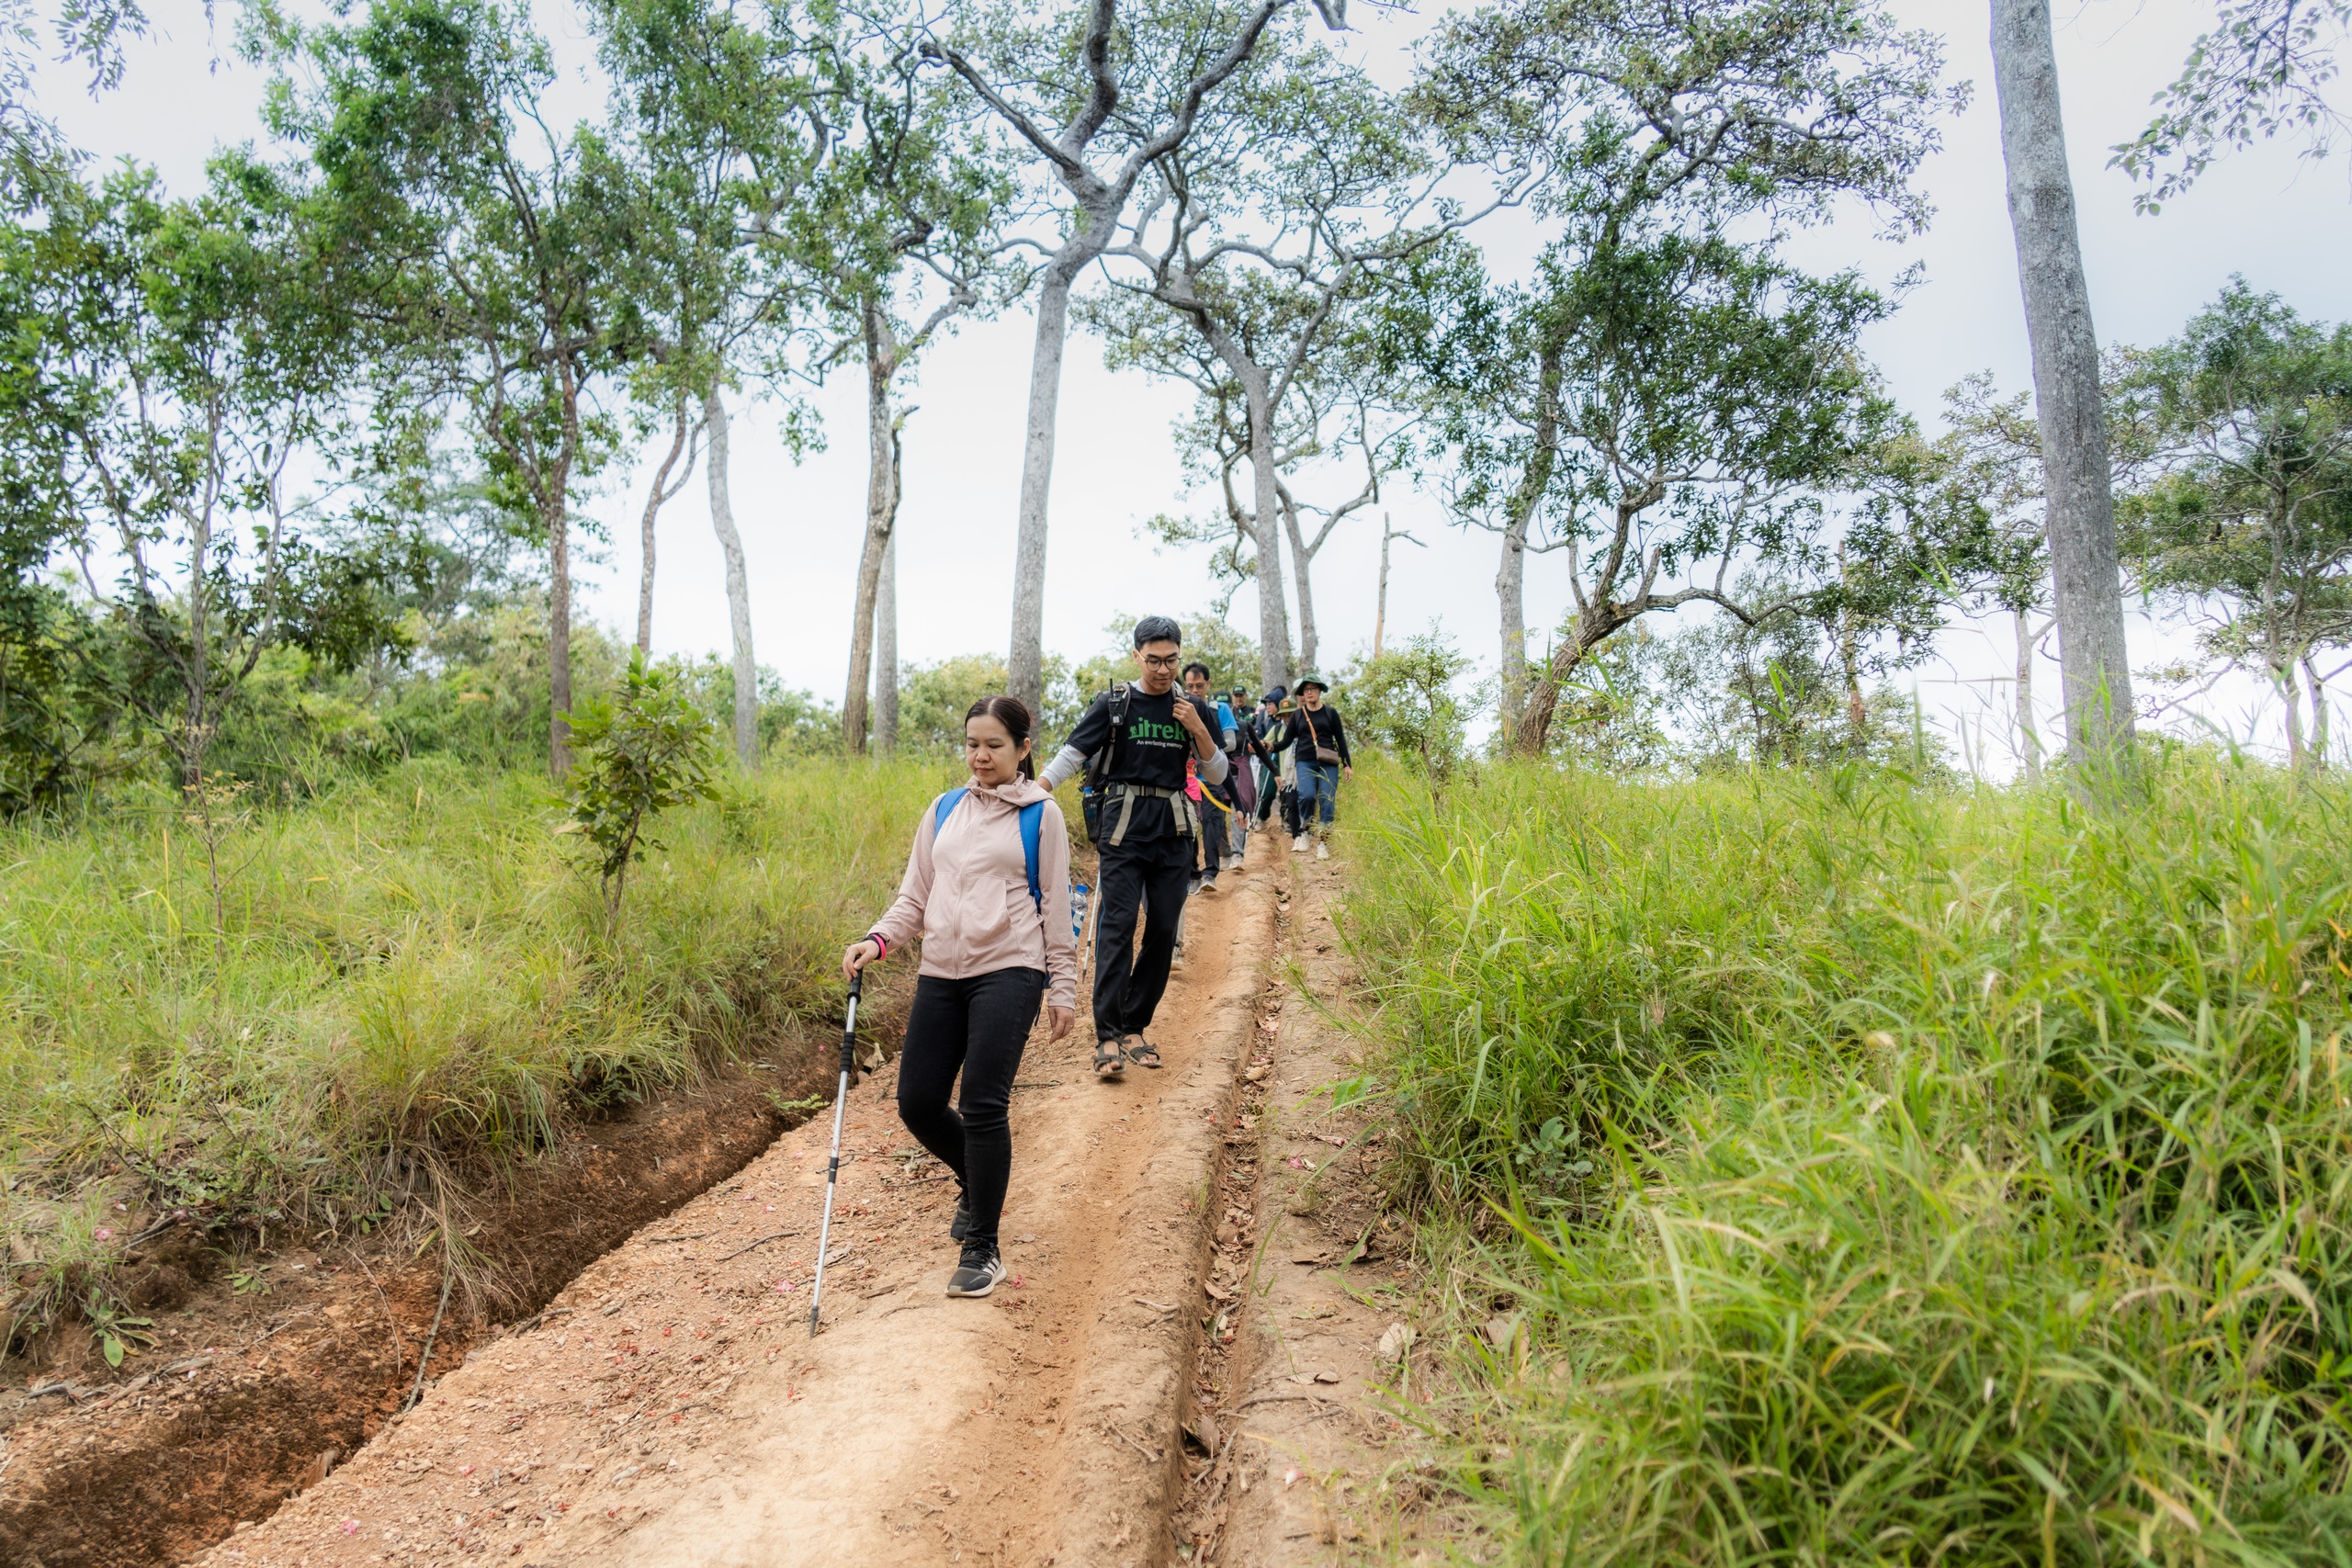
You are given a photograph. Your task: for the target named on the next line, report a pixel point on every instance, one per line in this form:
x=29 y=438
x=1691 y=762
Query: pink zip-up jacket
x=968 y=893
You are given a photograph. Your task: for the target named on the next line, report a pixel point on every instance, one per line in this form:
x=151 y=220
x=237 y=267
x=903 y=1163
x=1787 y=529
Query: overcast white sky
x=2286 y=224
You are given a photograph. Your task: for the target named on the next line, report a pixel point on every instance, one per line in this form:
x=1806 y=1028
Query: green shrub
x=643 y=752
x=1969 y=1173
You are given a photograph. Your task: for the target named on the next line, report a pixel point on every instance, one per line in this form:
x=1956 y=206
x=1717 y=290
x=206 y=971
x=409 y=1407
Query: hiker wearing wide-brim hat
x=1320 y=742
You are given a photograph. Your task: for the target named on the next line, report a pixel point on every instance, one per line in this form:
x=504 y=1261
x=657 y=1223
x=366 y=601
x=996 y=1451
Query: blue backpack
x=1032 y=818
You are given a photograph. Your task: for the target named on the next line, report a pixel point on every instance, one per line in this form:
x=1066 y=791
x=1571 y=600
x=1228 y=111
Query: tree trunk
x=1510 y=576
x=881 y=511
x=2283 y=676
x=886 y=649
x=2028 y=731
x=2092 y=660
x=2319 y=714
x=558 y=639
x=1025 y=661
x=555 y=502
x=1273 y=617
x=1849 y=666
x=660 y=493
x=1302 y=562
x=1380 y=605
x=739 y=592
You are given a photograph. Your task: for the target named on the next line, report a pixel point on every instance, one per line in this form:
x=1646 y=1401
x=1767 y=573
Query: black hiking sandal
x=1142 y=1052
x=961 y=1225
x=978 y=1274
x=1110 y=1061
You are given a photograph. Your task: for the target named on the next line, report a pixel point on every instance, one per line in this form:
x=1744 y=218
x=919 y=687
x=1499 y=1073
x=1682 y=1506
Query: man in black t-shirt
x=1132 y=743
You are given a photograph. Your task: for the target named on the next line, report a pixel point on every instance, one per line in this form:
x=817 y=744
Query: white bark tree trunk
x=1303 y=562
x=1510 y=608
x=2093 y=669
x=739 y=592
x=881 y=516
x=1380 y=605
x=2319 y=712
x=1273 y=616
x=2029 y=729
x=654 y=500
x=886 y=649
x=1025 y=661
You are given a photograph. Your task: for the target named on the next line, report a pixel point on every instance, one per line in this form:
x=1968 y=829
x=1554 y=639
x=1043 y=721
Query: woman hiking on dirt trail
x=1319 y=741
x=987 y=887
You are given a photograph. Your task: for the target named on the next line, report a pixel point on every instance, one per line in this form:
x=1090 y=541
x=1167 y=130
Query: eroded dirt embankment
x=1185 y=1364
x=670 y=1407
x=268 y=1371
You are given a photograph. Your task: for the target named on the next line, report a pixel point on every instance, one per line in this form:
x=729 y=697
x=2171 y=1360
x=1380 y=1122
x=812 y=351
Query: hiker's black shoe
x=961 y=1225
x=982 y=1267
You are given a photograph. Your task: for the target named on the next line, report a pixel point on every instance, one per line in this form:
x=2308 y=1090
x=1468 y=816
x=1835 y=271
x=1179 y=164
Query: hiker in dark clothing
x=1132 y=743
x=1236 y=756
x=1319 y=743
x=1263 y=743
x=1220 y=843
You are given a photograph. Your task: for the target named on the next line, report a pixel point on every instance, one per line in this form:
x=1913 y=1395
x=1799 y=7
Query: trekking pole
x=833 y=1170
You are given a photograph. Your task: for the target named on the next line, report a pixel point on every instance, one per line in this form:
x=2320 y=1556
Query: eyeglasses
x=1156 y=661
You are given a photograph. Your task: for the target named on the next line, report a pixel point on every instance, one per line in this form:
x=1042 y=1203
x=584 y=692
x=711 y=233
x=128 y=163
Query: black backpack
x=1098 y=766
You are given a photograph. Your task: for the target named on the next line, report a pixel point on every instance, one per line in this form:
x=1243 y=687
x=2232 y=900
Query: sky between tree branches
x=2284 y=224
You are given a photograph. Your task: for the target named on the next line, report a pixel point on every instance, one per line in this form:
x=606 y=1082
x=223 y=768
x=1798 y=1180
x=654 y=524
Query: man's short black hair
x=1186 y=672
x=1158 y=628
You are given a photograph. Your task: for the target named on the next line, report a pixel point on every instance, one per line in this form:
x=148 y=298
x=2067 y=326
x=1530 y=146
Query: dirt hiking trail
x=1182 y=1365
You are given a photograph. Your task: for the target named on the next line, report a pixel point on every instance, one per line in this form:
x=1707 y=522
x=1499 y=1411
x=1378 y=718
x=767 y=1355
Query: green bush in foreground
x=414 y=972
x=1895 y=1176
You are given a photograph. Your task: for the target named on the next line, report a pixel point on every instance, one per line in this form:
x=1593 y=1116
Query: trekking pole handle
x=849 y=1024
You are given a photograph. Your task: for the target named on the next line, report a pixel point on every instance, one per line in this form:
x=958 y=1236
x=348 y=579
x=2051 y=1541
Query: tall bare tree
x=659 y=494
x=1176 y=53
x=734 y=134
x=1278 y=221
x=2093 y=669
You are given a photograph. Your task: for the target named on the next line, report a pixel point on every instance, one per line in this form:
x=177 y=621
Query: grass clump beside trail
x=1894 y=1177
x=408 y=971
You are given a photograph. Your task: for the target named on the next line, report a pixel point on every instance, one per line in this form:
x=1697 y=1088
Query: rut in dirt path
x=669 y=1408
x=1298 y=1458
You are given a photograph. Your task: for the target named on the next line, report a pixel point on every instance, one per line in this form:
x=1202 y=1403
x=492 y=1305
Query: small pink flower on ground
x=105 y=1234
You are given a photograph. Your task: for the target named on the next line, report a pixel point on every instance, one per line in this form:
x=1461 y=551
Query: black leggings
x=978 y=1025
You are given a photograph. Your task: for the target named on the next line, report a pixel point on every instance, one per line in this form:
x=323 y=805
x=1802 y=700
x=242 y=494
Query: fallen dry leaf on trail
x=1395 y=1343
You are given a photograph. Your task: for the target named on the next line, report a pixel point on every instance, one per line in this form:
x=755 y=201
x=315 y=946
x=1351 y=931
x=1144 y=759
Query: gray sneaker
x=978 y=1274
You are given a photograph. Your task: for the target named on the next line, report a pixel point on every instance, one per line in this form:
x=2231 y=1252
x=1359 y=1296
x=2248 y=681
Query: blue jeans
x=1318 y=792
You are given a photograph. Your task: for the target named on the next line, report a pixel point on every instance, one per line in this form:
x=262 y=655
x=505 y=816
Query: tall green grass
x=413 y=971
x=1892 y=1177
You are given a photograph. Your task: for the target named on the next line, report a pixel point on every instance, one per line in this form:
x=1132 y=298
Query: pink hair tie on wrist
x=876 y=938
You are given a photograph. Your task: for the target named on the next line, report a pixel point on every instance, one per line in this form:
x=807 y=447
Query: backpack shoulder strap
x=1033 y=818
x=946 y=804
